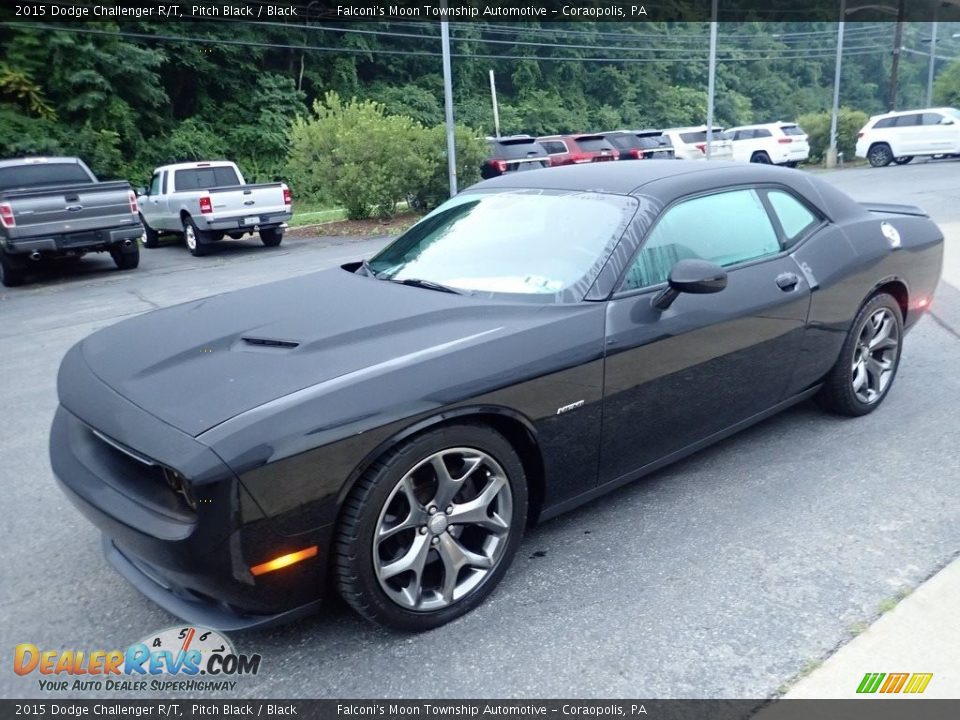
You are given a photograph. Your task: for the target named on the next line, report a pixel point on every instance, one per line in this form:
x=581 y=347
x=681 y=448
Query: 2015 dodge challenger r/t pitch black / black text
x=389 y=427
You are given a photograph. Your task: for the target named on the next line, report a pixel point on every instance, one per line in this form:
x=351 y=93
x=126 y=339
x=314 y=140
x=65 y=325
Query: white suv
x=901 y=136
x=778 y=143
x=690 y=143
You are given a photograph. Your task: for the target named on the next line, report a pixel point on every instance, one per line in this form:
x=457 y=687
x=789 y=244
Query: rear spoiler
x=64 y=189
x=891 y=209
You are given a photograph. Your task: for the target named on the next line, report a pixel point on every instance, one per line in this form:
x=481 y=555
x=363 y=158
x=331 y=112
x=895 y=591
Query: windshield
x=531 y=242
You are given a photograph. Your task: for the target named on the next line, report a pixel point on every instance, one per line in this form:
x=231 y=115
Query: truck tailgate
x=64 y=209
x=242 y=200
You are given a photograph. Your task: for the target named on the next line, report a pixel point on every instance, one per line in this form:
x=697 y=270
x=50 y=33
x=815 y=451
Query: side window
x=726 y=228
x=884 y=123
x=762 y=133
x=932 y=118
x=795 y=218
x=554 y=147
x=908 y=120
x=155 y=185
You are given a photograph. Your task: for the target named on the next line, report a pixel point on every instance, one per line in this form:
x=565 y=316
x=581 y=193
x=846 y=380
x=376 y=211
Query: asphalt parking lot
x=725 y=575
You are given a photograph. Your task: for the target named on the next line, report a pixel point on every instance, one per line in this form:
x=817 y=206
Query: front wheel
x=271 y=237
x=430 y=529
x=151 y=238
x=868 y=362
x=880 y=155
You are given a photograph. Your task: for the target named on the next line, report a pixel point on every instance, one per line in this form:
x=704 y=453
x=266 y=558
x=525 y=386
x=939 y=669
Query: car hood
x=201 y=363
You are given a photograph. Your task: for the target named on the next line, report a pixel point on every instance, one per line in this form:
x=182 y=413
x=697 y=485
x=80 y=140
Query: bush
x=470 y=151
x=817 y=127
x=358 y=156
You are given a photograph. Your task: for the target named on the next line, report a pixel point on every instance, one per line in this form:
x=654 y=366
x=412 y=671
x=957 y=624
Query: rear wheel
x=903 y=160
x=194 y=239
x=126 y=258
x=868 y=361
x=430 y=529
x=761 y=158
x=880 y=155
x=13 y=270
x=271 y=237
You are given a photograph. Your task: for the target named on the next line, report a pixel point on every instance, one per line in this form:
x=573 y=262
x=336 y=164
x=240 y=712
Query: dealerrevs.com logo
x=893 y=683
x=185 y=659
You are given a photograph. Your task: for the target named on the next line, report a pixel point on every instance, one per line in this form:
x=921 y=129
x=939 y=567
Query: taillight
x=636 y=153
x=500 y=165
x=702 y=147
x=785 y=141
x=578 y=158
x=287 y=197
x=6 y=216
x=134 y=208
x=206 y=205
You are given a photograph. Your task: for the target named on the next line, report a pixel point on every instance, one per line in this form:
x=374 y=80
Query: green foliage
x=367 y=160
x=817 y=127
x=470 y=151
x=18 y=87
x=946 y=88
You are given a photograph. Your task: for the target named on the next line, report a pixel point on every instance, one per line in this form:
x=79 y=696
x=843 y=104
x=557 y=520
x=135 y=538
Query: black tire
x=13 y=270
x=838 y=393
x=360 y=520
x=760 y=157
x=271 y=237
x=126 y=258
x=903 y=160
x=193 y=238
x=880 y=155
x=793 y=163
x=151 y=238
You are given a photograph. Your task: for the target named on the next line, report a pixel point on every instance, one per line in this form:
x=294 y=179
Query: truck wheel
x=12 y=270
x=194 y=239
x=151 y=238
x=271 y=237
x=126 y=258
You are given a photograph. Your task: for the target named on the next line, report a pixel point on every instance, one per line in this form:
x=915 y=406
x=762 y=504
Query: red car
x=576 y=149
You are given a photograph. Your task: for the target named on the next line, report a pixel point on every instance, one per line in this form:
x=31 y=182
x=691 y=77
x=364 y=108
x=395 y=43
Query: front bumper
x=90 y=240
x=192 y=560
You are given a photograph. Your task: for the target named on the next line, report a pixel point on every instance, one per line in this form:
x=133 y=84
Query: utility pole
x=448 y=106
x=895 y=67
x=496 y=110
x=933 y=56
x=835 y=114
x=711 y=77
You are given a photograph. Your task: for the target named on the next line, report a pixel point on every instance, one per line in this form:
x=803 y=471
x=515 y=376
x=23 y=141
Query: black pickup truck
x=55 y=207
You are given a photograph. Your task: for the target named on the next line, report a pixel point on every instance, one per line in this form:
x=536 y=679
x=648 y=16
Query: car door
x=939 y=136
x=150 y=204
x=676 y=377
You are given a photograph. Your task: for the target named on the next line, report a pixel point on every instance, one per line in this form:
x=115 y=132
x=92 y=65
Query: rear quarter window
x=795 y=218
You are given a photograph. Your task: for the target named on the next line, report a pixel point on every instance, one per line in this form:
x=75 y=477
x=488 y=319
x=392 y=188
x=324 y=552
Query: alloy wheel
x=875 y=356
x=190 y=236
x=443 y=529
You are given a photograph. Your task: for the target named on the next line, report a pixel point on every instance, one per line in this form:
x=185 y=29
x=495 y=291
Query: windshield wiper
x=427 y=284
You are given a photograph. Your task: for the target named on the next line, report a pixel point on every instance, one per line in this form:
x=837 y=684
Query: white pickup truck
x=204 y=201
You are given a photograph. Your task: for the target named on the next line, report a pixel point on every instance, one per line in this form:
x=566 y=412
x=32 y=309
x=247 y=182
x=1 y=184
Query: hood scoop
x=267 y=343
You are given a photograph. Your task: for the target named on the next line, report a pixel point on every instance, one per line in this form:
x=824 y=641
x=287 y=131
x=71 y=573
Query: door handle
x=787 y=281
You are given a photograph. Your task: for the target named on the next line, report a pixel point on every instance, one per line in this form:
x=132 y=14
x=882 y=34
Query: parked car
x=55 y=207
x=901 y=136
x=776 y=143
x=513 y=153
x=640 y=144
x=388 y=428
x=691 y=143
x=577 y=149
x=205 y=201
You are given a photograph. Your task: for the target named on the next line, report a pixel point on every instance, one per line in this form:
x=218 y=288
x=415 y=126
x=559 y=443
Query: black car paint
x=274 y=437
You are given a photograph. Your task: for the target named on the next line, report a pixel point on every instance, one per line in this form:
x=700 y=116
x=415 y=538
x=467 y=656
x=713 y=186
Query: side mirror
x=946 y=121
x=141 y=191
x=697 y=277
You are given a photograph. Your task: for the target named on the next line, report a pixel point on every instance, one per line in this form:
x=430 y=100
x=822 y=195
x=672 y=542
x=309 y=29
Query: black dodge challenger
x=388 y=428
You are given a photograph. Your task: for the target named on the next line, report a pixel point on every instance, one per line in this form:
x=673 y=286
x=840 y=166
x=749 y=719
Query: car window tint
x=791 y=130
x=553 y=146
x=884 y=123
x=594 y=144
x=516 y=149
x=932 y=118
x=155 y=184
x=205 y=178
x=795 y=218
x=726 y=228
x=908 y=120
x=28 y=176
x=625 y=141
x=761 y=133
